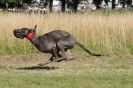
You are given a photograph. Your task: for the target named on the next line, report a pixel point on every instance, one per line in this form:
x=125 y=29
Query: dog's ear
x=35 y=28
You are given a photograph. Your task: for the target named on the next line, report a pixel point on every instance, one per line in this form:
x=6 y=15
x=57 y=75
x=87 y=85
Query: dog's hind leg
x=61 y=47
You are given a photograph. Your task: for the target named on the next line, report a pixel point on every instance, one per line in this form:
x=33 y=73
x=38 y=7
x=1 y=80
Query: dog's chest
x=44 y=45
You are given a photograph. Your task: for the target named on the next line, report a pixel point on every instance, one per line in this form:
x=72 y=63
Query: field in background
x=101 y=32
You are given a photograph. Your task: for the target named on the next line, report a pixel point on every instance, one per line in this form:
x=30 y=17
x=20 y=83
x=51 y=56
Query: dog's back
x=57 y=35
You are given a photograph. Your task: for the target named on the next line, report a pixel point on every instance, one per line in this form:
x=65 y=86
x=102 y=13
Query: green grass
x=67 y=81
x=85 y=72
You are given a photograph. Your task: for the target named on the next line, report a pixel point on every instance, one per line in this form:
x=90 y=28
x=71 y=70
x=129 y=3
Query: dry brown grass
x=102 y=33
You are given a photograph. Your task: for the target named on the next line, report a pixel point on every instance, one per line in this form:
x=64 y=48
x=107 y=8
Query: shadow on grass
x=38 y=68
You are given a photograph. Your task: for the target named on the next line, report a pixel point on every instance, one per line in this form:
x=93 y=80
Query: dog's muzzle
x=18 y=33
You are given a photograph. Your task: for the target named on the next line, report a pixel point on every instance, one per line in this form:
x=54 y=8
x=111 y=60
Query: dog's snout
x=18 y=33
x=15 y=30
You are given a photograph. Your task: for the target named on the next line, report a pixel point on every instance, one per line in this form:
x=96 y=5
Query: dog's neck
x=30 y=35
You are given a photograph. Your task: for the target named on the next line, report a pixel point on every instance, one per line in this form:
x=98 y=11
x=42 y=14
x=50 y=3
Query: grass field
x=101 y=31
x=84 y=72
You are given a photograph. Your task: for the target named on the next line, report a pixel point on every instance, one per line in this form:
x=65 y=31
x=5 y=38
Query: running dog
x=56 y=42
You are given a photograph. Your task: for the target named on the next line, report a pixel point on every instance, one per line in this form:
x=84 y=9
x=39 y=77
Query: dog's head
x=24 y=32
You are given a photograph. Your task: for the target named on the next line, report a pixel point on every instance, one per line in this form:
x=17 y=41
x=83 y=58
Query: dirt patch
x=43 y=57
x=39 y=58
x=23 y=58
x=27 y=63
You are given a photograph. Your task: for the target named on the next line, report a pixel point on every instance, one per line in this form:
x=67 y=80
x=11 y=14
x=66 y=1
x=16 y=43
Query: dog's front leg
x=45 y=63
x=53 y=58
x=55 y=54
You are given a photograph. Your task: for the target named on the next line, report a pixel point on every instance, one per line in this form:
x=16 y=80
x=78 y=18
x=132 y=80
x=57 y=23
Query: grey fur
x=56 y=42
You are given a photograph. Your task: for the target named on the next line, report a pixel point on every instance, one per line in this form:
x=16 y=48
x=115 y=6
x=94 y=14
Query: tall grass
x=101 y=33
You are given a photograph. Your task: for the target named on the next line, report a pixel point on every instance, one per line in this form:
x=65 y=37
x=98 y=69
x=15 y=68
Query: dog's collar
x=30 y=35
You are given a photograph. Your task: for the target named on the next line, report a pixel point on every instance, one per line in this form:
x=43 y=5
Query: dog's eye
x=19 y=30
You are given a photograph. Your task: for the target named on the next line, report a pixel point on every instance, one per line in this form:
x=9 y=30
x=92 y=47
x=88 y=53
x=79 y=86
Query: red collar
x=30 y=35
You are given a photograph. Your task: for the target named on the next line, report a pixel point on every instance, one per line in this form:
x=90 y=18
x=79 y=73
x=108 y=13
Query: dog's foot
x=42 y=64
x=58 y=60
x=61 y=59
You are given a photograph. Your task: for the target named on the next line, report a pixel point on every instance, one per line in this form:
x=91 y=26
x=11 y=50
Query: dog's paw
x=45 y=63
x=41 y=64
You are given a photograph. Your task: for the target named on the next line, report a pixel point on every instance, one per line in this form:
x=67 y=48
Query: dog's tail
x=87 y=50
